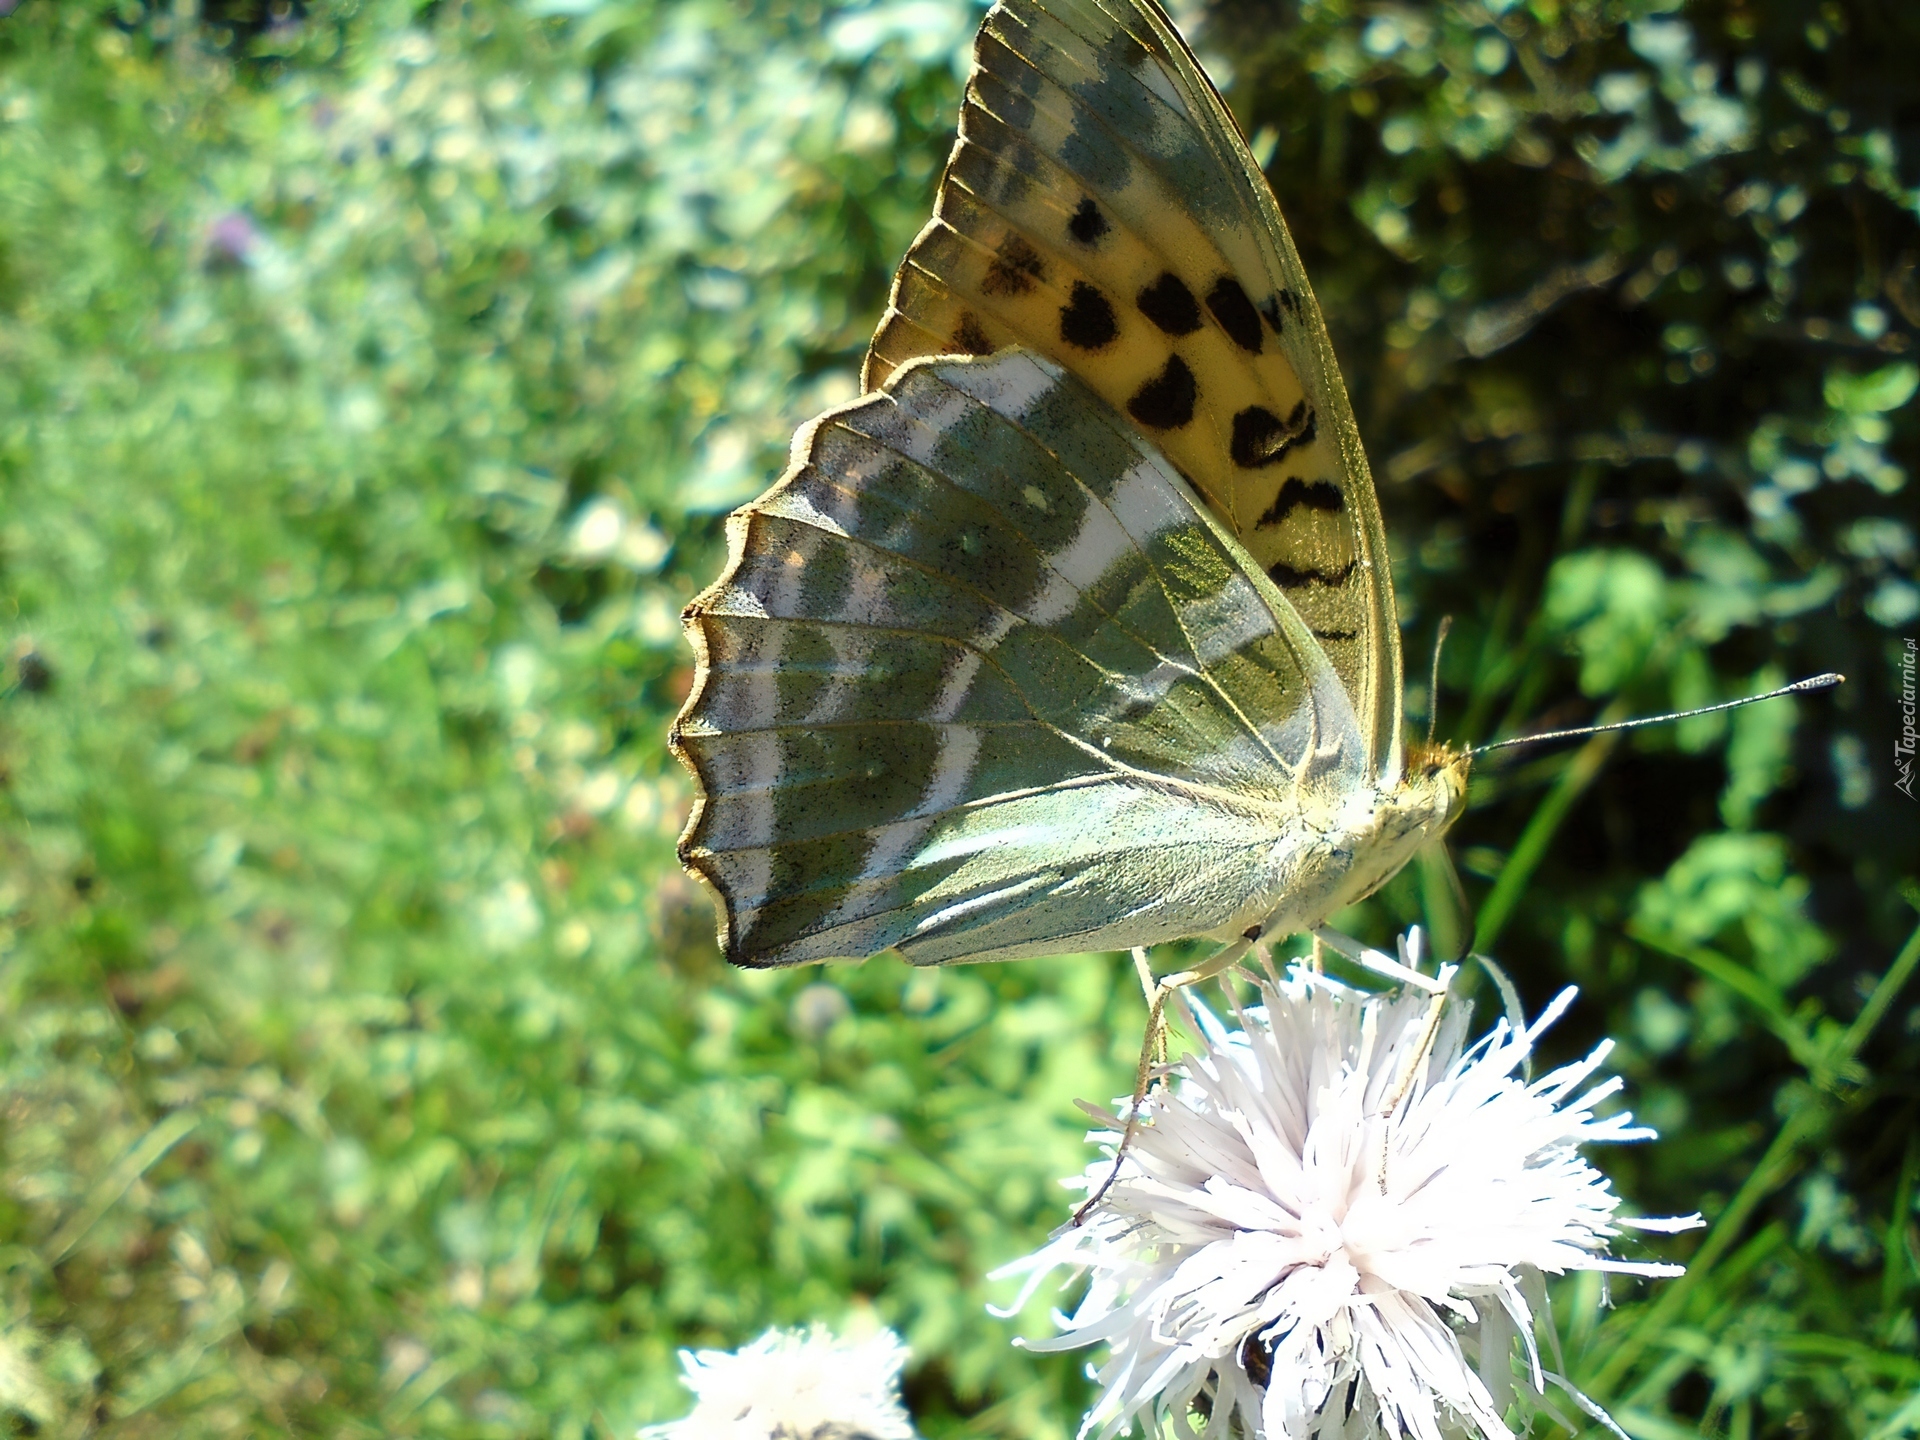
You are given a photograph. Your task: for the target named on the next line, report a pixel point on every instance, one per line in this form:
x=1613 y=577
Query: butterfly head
x=1407 y=817
x=1434 y=791
x=1384 y=828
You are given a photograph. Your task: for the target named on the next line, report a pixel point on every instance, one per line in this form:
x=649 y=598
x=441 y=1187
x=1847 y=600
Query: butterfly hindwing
x=1101 y=208
x=983 y=678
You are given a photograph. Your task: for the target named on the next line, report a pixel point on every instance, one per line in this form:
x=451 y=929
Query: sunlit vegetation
x=373 y=377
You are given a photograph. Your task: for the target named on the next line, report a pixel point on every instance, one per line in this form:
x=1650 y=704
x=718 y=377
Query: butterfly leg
x=1436 y=1003
x=1436 y=987
x=1154 y=1045
x=1156 y=1029
x=1402 y=974
x=1142 y=968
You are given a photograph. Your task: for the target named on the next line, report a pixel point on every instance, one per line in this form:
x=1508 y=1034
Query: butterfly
x=1077 y=630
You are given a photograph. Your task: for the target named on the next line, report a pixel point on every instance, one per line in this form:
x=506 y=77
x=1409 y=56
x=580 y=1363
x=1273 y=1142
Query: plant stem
x=1531 y=848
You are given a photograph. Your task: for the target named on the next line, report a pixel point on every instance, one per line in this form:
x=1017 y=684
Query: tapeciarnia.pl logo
x=1903 y=747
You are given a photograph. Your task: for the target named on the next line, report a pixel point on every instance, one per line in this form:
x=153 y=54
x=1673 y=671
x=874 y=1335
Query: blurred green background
x=373 y=377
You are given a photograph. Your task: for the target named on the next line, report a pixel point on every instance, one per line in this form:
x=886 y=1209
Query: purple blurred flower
x=231 y=239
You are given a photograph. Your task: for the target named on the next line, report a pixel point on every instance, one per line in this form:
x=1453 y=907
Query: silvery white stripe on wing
x=853 y=656
x=1095 y=546
x=952 y=769
x=959 y=678
x=960 y=909
x=866 y=591
x=1154 y=685
x=959 y=751
x=783 y=575
x=947 y=786
x=1010 y=386
x=803 y=507
x=1137 y=692
x=938 y=409
x=955 y=684
x=1222 y=623
x=1145 y=501
x=991 y=633
x=761 y=766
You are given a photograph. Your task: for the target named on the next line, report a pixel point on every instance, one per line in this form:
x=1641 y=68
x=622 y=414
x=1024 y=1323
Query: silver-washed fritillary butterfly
x=1076 y=632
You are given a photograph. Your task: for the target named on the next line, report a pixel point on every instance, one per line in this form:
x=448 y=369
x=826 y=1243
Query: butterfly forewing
x=983 y=678
x=1101 y=208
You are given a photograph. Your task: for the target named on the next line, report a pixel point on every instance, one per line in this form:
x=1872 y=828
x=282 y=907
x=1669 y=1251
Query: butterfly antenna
x=1814 y=682
x=1433 y=687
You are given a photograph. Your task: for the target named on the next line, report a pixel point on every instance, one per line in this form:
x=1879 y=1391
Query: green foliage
x=1626 y=293
x=371 y=383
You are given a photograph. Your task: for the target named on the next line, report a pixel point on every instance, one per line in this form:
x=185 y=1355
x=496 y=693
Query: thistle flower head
x=794 y=1385
x=1335 y=1211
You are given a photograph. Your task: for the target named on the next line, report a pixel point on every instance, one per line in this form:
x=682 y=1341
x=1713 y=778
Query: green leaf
x=1876 y=391
x=1611 y=605
x=1738 y=885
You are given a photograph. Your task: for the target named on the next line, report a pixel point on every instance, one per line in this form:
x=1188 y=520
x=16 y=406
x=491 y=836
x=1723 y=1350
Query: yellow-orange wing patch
x=1102 y=207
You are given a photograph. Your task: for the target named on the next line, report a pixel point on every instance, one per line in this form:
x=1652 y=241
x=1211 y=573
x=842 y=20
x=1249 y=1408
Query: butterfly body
x=1369 y=842
x=1077 y=631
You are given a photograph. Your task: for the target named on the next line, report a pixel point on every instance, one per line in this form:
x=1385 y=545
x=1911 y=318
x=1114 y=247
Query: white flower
x=1309 y=1229
x=795 y=1385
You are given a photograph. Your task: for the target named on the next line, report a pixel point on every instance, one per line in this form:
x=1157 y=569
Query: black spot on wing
x=1288 y=578
x=1170 y=305
x=1088 y=224
x=1087 y=319
x=1235 y=312
x=1320 y=495
x=1262 y=438
x=1270 y=312
x=1335 y=634
x=1166 y=401
x=969 y=338
x=1016 y=265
